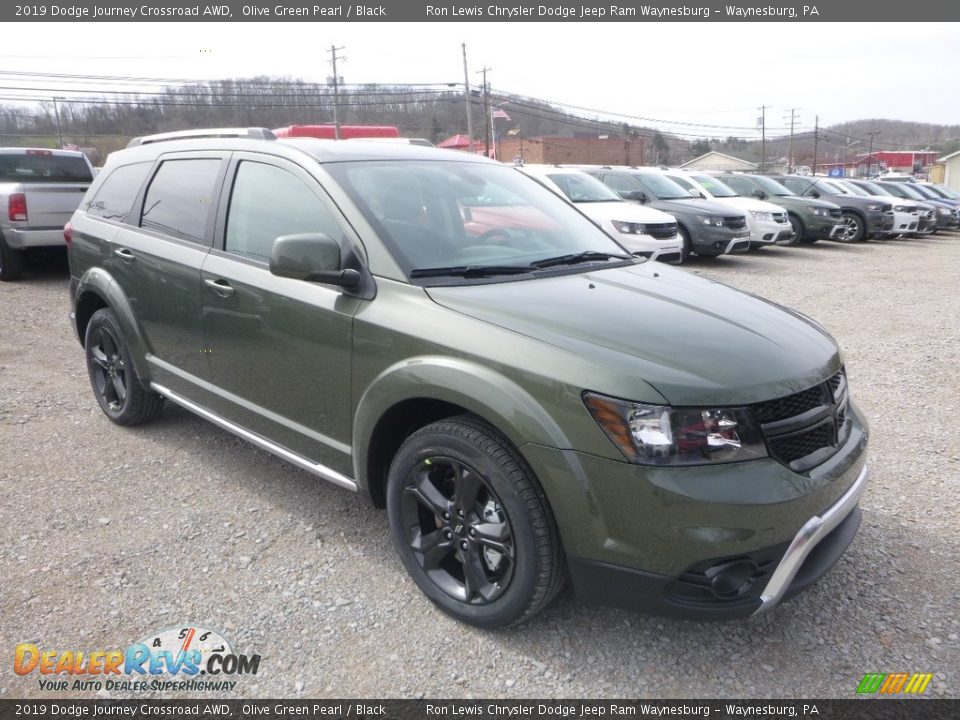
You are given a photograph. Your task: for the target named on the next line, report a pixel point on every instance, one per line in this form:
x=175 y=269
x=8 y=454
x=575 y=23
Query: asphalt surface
x=111 y=534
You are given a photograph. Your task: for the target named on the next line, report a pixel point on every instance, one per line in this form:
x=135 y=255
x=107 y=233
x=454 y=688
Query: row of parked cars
x=667 y=214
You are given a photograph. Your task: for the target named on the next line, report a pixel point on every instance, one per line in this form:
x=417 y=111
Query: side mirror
x=760 y=194
x=697 y=194
x=635 y=195
x=313 y=257
x=814 y=193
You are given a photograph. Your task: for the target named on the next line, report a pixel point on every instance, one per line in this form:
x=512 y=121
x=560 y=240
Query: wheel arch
x=416 y=392
x=97 y=290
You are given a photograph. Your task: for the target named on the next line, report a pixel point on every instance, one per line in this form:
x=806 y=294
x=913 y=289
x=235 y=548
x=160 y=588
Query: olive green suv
x=442 y=334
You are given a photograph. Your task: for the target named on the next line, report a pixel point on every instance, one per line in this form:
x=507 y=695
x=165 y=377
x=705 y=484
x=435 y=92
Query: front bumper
x=710 y=241
x=20 y=238
x=879 y=222
x=905 y=222
x=763 y=232
x=668 y=540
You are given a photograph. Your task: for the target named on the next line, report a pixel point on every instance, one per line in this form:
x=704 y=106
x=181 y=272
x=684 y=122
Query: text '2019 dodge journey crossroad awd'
x=527 y=401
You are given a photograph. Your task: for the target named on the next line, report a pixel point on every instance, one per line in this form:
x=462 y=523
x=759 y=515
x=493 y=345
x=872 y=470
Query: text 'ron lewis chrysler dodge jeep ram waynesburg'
x=526 y=403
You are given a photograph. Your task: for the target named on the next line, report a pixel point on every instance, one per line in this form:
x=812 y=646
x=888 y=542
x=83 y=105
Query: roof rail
x=252 y=133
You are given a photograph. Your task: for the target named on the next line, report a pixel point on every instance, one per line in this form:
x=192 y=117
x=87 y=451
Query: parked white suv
x=768 y=223
x=643 y=231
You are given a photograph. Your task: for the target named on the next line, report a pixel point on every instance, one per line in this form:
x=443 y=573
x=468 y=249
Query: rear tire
x=115 y=382
x=472 y=525
x=11 y=262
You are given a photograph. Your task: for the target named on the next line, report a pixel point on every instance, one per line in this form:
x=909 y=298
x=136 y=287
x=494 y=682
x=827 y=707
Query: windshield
x=580 y=187
x=714 y=186
x=873 y=188
x=949 y=192
x=855 y=189
x=688 y=185
x=662 y=187
x=771 y=187
x=926 y=193
x=467 y=216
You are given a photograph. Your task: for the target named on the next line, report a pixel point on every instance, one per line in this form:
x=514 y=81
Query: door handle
x=220 y=287
x=125 y=254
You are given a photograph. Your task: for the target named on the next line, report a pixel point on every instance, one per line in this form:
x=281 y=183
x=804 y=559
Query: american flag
x=499 y=114
x=71 y=146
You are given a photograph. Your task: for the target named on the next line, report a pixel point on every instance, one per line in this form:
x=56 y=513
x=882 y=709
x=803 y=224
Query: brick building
x=549 y=150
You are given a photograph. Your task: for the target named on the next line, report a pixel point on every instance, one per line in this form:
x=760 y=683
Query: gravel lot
x=109 y=534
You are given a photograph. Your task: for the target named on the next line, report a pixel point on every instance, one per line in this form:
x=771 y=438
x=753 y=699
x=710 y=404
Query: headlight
x=710 y=220
x=627 y=228
x=662 y=435
x=762 y=215
x=901 y=208
x=943 y=211
x=821 y=212
x=874 y=208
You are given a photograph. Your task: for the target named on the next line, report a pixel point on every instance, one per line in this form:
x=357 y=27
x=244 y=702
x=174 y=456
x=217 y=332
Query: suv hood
x=694 y=205
x=694 y=340
x=745 y=204
x=625 y=211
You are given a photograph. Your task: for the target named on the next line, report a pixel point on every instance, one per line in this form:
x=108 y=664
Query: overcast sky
x=708 y=74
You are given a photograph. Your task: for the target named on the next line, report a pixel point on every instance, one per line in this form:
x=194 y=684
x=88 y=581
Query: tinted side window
x=617 y=183
x=741 y=186
x=115 y=197
x=267 y=202
x=178 y=200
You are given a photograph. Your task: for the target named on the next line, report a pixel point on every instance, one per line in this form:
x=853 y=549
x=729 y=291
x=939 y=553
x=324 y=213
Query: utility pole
x=336 y=89
x=793 y=119
x=56 y=113
x=870 y=152
x=816 y=138
x=466 y=97
x=763 y=139
x=486 y=110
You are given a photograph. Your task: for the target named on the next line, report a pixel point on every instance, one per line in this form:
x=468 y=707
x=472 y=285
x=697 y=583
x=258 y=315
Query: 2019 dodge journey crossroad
x=527 y=403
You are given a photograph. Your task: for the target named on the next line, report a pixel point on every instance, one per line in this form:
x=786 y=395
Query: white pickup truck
x=39 y=190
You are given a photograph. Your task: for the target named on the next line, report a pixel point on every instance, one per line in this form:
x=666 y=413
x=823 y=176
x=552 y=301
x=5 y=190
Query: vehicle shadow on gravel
x=42 y=264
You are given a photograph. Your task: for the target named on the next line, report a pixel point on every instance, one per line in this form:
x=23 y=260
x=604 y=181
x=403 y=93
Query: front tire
x=115 y=382
x=853 y=230
x=472 y=525
x=799 y=230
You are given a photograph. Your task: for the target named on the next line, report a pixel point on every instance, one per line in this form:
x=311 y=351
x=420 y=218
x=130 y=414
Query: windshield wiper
x=469 y=271
x=576 y=258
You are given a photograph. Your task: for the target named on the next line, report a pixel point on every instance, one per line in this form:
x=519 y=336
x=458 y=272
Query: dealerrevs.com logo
x=172 y=659
x=894 y=683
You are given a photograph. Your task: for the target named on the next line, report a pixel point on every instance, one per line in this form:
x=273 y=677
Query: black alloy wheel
x=472 y=525
x=115 y=382
x=457 y=530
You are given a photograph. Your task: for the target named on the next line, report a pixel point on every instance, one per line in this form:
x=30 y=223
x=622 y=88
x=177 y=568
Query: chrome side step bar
x=291 y=457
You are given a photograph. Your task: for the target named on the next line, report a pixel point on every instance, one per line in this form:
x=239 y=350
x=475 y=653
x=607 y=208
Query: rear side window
x=43 y=166
x=741 y=186
x=617 y=183
x=267 y=202
x=115 y=197
x=179 y=198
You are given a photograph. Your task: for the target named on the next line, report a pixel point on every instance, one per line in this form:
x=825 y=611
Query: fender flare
x=99 y=282
x=477 y=388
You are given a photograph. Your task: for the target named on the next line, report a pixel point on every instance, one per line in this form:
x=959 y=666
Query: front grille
x=836 y=214
x=804 y=429
x=799 y=446
x=670 y=257
x=737 y=222
x=790 y=406
x=661 y=231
